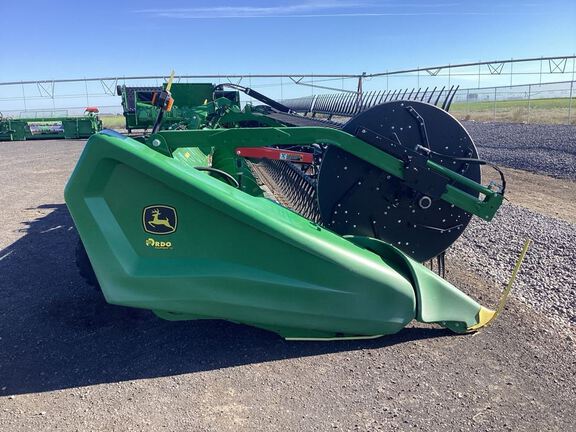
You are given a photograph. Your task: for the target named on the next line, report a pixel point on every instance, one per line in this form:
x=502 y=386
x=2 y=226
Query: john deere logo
x=159 y=219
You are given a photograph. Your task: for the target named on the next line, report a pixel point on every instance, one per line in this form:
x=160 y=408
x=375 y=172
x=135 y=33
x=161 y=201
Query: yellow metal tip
x=485 y=316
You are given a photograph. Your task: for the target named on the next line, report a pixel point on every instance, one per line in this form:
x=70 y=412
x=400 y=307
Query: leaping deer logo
x=157 y=221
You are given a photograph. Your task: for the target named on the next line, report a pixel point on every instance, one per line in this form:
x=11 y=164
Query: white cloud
x=245 y=11
x=306 y=9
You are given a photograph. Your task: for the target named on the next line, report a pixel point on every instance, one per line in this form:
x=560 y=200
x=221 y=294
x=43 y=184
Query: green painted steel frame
x=225 y=142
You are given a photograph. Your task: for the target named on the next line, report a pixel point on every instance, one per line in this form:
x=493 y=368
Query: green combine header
x=304 y=227
x=35 y=128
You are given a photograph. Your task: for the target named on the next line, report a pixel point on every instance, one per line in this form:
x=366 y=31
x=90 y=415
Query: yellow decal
x=150 y=242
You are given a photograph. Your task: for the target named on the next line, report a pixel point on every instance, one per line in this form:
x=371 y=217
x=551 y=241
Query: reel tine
x=313 y=103
x=424 y=94
x=330 y=106
x=345 y=101
x=358 y=103
x=364 y=100
x=349 y=101
x=387 y=95
x=447 y=97
x=439 y=94
x=346 y=104
x=431 y=94
x=337 y=104
x=372 y=99
x=381 y=97
x=368 y=100
x=333 y=101
x=451 y=99
x=376 y=98
x=342 y=103
x=361 y=101
x=352 y=106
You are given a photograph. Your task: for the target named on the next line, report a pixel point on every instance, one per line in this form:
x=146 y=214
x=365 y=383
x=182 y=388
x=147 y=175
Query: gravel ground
x=546 y=149
x=70 y=361
x=546 y=281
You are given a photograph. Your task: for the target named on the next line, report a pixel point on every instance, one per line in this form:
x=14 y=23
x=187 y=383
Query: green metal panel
x=191 y=94
x=236 y=256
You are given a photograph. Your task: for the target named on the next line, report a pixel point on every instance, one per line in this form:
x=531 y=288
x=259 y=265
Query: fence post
x=529 y=95
x=570 y=103
x=494 y=103
x=24 y=98
x=312 y=86
x=359 y=93
x=86 y=90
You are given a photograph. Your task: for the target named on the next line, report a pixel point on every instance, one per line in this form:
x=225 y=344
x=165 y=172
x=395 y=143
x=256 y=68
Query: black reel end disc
x=357 y=198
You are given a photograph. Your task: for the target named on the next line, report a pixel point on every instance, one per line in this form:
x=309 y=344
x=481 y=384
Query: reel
x=356 y=198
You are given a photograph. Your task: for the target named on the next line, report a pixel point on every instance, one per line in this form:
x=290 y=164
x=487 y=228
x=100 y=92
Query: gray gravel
x=546 y=149
x=546 y=281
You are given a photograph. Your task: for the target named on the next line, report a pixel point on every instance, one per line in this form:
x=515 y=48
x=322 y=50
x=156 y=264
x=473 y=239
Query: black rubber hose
x=230 y=179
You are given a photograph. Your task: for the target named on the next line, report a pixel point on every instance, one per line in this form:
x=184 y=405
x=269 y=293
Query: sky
x=45 y=40
x=60 y=39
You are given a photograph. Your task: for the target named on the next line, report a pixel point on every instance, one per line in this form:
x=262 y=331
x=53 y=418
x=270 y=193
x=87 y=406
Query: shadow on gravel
x=56 y=332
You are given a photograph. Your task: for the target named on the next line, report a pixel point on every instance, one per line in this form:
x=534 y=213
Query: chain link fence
x=532 y=103
x=546 y=93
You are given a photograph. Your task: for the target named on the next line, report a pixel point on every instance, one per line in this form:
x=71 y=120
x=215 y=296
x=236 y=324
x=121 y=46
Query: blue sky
x=46 y=40
x=51 y=39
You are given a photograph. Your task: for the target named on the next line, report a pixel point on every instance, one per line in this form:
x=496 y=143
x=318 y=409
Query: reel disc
x=357 y=198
